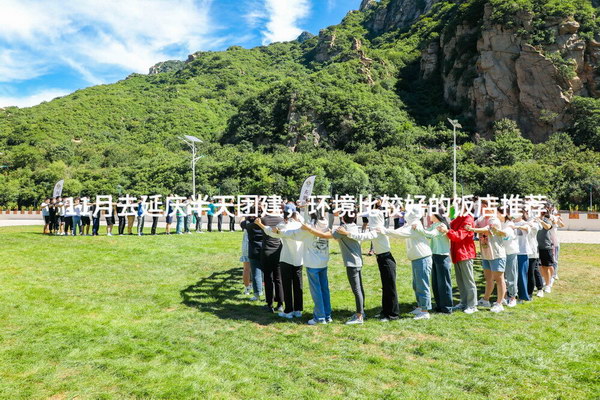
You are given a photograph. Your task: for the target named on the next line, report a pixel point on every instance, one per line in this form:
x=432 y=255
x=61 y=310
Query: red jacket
x=462 y=246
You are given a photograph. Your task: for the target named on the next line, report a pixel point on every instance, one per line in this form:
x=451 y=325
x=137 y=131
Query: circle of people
x=519 y=257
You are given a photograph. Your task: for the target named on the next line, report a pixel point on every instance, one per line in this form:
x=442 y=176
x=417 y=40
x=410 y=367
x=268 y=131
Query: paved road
x=565 y=236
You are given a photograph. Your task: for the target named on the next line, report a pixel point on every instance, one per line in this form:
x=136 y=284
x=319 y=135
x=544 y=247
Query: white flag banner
x=307 y=189
x=58 y=188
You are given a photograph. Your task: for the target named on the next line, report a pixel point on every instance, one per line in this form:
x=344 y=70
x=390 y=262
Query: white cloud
x=32 y=100
x=283 y=18
x=330 y=5
x=83 y=34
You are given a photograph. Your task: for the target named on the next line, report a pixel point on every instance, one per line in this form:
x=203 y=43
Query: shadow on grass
x=220 y=294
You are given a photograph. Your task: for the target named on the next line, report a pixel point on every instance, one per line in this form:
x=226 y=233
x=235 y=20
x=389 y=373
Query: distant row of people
x=61 y=217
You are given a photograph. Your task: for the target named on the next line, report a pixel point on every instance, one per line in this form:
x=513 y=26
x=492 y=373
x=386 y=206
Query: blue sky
x=50 y=48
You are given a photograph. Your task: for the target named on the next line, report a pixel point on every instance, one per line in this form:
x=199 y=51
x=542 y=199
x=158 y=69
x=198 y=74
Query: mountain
x=363 y=105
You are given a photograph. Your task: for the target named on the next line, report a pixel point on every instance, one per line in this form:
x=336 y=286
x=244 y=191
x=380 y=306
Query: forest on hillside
x=349 y=105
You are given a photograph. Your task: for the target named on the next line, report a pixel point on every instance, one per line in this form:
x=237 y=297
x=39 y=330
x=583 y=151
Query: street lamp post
x=191 y=141
x=455 y=125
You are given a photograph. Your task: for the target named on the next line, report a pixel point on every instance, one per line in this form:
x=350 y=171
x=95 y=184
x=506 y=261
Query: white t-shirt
x=492 y=246
x=45 y=209
x=523 y=238
x=511 y=245
x=534 y=227
x=316 y=250
x=292 y=251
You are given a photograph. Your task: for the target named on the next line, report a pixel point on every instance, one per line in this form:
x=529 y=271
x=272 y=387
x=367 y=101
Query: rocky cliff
x=492 y=70
x=507 y=77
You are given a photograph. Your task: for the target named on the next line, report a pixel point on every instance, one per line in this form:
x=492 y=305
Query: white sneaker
x=328 y=320
x=315 y=322
x=551 y=282
x=355 y=320
x=540 y=293
x=504 y=302
x=248 y=290
x=422 y=315
x=496 y=308
x=548 y=289
x=512 y=303
x=484 y=303
x=255 y=298
x=286 y=315
x=416 y=311
x=470 y=310
x=297 y=314
x=556 y=277
x=459 y=307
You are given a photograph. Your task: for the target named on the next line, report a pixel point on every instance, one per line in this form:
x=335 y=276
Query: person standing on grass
x=269 y=261
x=60 y=216
x=187 y=226
x=86 y=219
x=140 y=213
x=45 y=207
x=390 y=309
x=352 y=257
x=210 y=214
x=77 y=211
x=255 y=241
x=68 y=217
x=290 y=264
x=534 y=277
x=419 y=253
x=53 y=211
x=511 y=247
x=462 y=252
x=110 y=219
x=130 y=222
x=546 y=249
x=557 y=222
x=522 y=230
x=245 y=260
x=315 y=241
x=493 y=254
x=231 y=210
x=219 y=213
x=95 y=219
x=441 y=272
x=169 y=215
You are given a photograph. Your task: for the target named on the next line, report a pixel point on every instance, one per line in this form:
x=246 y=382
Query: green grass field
x=165 y=317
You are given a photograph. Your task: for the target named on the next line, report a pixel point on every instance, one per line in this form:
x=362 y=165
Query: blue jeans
x=76 y=224
x=511 y=273
x=421 y=269
x=523 y=267
x=179 y=228
x=319 y=290
x=257 y=276
x=441 y=282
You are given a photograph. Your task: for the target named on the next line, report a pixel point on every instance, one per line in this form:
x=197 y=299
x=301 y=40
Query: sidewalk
x=592 y=237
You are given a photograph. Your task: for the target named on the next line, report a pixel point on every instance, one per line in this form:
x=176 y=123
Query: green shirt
x=440 y=244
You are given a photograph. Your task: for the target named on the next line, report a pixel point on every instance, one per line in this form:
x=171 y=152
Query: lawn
x=164 y=317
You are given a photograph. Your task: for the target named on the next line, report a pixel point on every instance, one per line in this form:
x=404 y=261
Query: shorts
x=495 y=265
x=244 y=259
x=546 y=257
x=47 y=219
x=85 y=221
x=110 y=220
x=60 y=219
x=169 y=219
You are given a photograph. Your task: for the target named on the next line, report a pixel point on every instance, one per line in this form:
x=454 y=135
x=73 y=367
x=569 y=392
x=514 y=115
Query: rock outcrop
x=490 y=73
x=166 y=66
x=398 y=14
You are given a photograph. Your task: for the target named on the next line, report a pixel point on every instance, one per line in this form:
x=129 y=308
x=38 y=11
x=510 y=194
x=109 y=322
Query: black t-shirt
x=255 y=238
x=270 y=244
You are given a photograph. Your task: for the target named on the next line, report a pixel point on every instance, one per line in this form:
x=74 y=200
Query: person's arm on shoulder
x=362 y=236
x=544 y=224
x=312 y=231
x=404 y=232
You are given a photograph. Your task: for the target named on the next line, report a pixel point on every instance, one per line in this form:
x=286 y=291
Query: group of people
x=73 y=216
x=519 y=256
